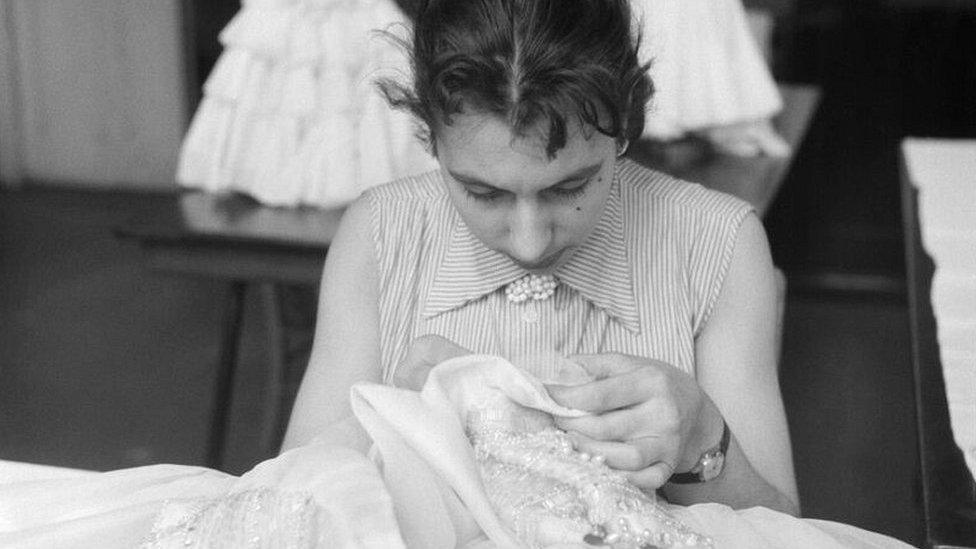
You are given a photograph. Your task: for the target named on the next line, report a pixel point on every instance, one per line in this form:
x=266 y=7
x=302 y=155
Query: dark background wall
x=887 y=69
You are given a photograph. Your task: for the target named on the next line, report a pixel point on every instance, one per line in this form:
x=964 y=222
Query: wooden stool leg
x=780 y=313
x=276 y=368
x=220 y=416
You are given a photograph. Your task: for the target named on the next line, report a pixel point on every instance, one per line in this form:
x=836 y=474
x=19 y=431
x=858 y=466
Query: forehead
x=484 y=147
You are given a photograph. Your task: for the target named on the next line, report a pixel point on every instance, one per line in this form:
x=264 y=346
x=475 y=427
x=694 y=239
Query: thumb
x=604 y=365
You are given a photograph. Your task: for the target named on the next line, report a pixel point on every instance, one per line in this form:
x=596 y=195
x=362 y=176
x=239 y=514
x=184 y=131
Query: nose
x=530 y=232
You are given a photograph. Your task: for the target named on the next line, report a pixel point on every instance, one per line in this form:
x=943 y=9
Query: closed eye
x=483 y=193
x=568 y=190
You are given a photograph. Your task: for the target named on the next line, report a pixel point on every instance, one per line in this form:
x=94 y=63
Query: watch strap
x=694 y=476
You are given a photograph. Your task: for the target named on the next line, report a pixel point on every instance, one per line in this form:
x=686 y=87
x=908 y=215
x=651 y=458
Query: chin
x=546 y=265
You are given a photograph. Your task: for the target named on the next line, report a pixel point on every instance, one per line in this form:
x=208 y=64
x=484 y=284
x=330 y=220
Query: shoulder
x=408 y=191
x=416 y=201
x=684 y=228
x=649 y=192
x=407 y=218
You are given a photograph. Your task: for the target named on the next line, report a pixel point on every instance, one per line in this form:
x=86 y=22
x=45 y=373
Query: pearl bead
x=535 y=286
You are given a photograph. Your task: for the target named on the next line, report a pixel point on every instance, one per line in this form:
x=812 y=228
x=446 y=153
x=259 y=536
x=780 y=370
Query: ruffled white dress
x=290 y=114
x=708 y=72
x=470 y=461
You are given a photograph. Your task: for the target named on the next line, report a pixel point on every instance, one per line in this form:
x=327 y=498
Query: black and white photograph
x=475 y=274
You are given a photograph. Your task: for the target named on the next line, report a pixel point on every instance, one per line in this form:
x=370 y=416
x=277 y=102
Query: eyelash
x=570 y=193
x=490 y=196
x=558 y=193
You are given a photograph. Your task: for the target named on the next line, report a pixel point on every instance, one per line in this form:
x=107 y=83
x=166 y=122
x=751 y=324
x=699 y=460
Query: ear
x=622 y=145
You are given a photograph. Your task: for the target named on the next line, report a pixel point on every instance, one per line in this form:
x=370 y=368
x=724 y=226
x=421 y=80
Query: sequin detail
x=252 y=519
x=547 y=492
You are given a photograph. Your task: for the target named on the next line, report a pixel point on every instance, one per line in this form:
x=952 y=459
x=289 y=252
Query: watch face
x=711 y=465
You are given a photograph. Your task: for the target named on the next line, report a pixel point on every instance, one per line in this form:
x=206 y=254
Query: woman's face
x=514 y=198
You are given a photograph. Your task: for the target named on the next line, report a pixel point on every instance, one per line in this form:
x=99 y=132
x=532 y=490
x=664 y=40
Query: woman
x=661 y=289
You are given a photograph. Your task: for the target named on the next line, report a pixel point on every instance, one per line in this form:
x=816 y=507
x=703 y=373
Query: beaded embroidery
x=252 y=519
x=547 y=492
x=531 y=286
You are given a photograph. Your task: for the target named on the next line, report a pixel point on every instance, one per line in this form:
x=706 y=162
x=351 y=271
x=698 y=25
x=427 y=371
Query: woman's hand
x=649 y=418
x=424 y=353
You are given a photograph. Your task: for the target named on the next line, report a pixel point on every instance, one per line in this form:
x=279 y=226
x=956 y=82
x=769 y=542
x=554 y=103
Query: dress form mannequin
x=290 y=115
x=710 y=77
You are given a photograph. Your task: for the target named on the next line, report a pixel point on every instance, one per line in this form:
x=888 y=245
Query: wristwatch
x=710 y=463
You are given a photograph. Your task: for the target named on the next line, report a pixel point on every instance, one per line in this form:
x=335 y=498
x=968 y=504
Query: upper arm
x=736 y=359
x=346 y=347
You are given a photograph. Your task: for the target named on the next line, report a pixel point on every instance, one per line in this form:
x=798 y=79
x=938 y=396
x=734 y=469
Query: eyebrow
x=581 y=173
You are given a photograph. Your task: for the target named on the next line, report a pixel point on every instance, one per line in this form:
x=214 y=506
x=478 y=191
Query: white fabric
x=290 y=114
x=942 y=171
x=431 y=485
x=427 y=425
x=17 y=471
x=118 y=509
x=707 y=70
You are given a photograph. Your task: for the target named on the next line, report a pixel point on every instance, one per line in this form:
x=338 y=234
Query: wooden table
x=755 y=180
x=948 y=489
x=236 y=239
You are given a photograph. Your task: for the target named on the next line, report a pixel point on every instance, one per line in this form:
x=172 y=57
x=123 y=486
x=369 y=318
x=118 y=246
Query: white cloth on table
x=424 y=431
x=18 y=471
x=430 y=494
x=290 y=114
x=319 y=495
x=942 y=171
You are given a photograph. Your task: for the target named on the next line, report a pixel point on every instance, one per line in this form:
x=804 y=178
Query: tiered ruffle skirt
x=290 y=113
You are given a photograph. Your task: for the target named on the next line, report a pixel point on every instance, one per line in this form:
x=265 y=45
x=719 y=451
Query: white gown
x=290 y=114
x=463 y=463
x=709 y=75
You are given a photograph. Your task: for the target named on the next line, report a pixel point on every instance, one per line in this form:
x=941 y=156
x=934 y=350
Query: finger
x=436 y=349
x=405 y=369
x=605 y=364
x=617 y=426
x=606 y=394
x=411 y=375
x=611 y=364
x=413 y=370
x=448 y=349
x=652 y=477
x=627 y=455
x=424 y=353
x=617 y=455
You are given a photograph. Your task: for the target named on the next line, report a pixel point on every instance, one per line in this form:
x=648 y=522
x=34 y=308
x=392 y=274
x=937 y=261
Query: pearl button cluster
x=531 y=286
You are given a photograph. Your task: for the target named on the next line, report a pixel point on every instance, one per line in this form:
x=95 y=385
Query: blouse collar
x=599 y=269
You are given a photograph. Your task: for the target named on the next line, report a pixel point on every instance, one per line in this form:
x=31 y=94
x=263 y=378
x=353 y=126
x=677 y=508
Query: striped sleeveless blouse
x=644 y=283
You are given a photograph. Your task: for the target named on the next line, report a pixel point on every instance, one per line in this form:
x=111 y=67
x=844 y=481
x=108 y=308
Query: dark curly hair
x=530 y=62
